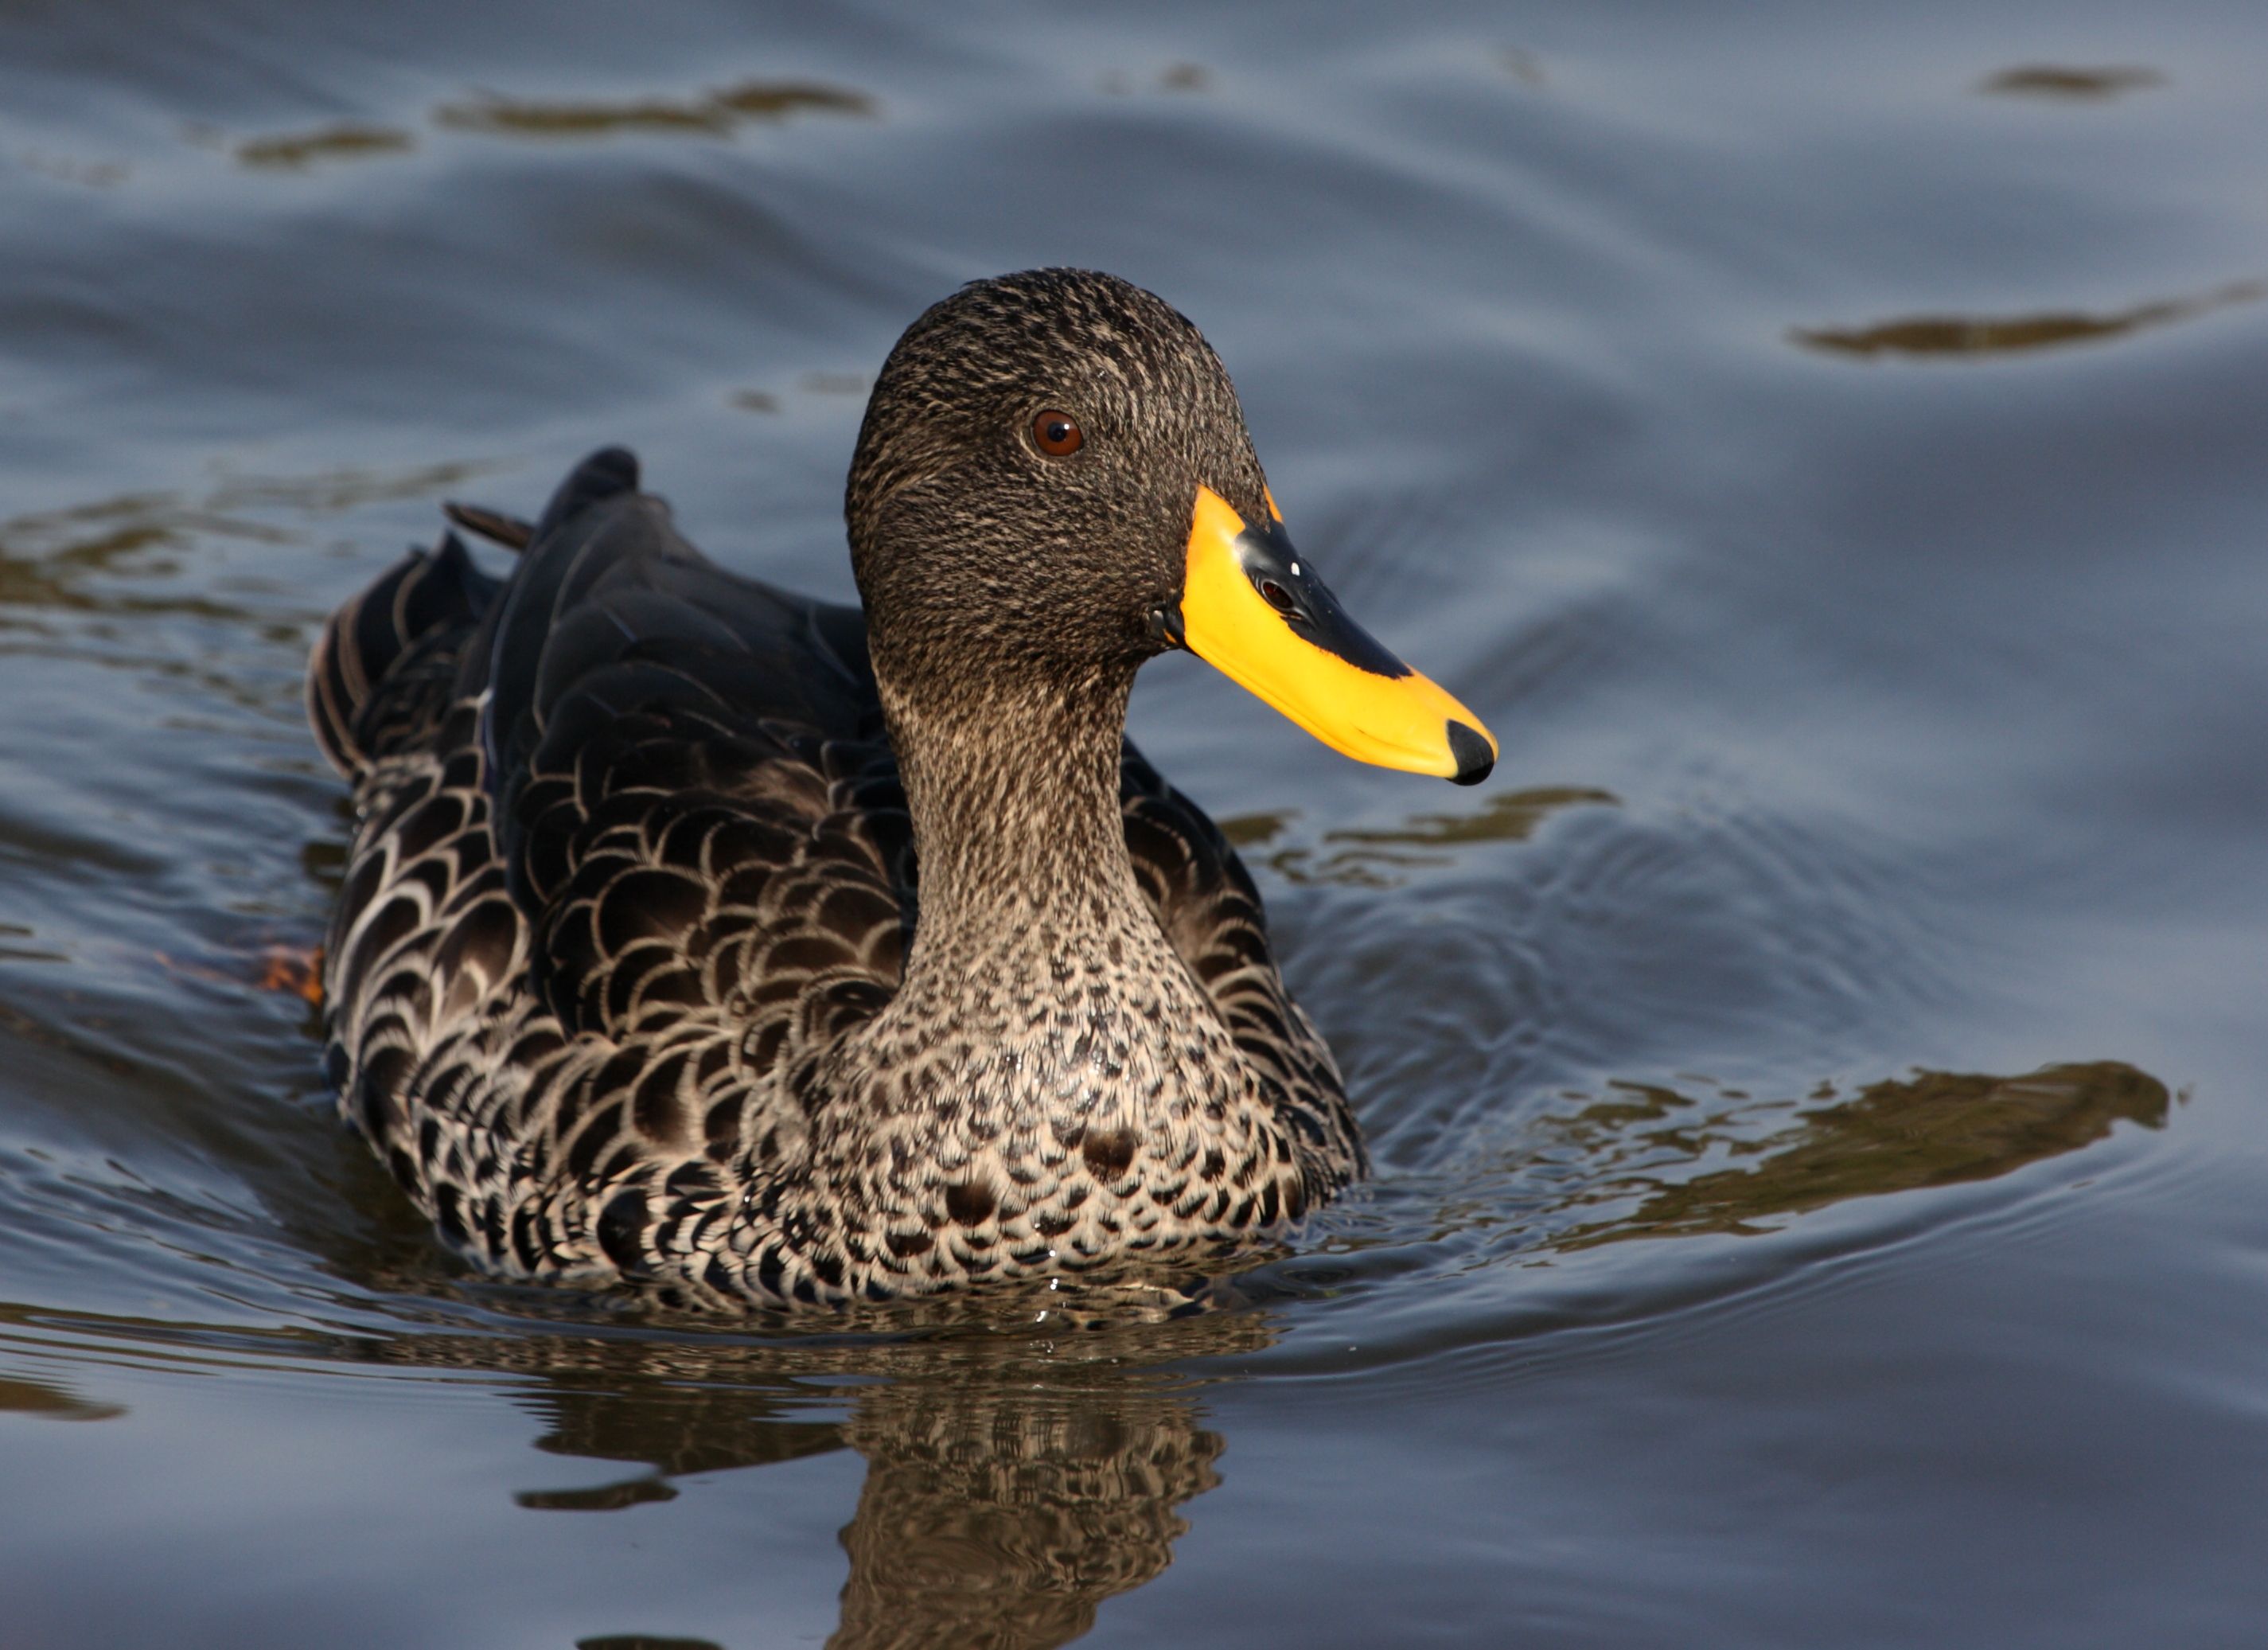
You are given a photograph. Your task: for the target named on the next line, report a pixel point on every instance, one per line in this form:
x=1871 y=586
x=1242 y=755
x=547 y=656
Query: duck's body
x=633 y=977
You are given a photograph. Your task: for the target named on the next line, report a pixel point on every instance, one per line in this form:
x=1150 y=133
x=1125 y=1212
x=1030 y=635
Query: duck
x=698 y=937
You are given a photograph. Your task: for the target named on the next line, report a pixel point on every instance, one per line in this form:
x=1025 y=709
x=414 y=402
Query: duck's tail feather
x=608 y=471
x=385 y=663
x=513 y=533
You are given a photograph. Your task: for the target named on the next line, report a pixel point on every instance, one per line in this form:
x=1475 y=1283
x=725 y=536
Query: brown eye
x=1055 y=435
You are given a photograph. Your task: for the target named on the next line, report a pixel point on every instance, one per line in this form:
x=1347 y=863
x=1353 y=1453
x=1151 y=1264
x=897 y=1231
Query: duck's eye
x=1055 y=434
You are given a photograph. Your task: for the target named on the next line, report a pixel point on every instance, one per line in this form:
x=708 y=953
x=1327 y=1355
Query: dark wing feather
x=398 y=635
x=695 y=804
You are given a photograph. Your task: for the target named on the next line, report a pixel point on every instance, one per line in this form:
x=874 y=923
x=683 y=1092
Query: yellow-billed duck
x=756 y=949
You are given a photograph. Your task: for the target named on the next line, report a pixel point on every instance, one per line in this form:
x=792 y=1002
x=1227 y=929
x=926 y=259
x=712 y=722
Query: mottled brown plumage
x=637 y=974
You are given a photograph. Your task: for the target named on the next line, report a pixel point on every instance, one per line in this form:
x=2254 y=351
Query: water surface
x=1817 y=1087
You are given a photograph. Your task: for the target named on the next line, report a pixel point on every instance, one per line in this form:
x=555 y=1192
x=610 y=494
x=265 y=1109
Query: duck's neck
x=1040 y=995
x=1016 y=829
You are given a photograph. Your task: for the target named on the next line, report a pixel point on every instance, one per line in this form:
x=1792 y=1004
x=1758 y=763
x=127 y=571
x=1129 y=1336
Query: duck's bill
x=1252 y=609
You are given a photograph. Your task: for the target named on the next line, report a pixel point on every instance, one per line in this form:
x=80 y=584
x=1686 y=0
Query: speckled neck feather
x=1014 y=799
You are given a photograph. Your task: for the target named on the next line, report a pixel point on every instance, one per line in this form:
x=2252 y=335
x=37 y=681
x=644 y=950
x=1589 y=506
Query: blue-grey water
x=1819 y=1088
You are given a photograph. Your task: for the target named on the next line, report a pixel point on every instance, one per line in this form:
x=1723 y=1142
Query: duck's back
x=631 y=855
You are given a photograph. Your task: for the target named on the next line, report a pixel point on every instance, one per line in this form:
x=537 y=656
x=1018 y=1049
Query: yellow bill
x=1258 y=615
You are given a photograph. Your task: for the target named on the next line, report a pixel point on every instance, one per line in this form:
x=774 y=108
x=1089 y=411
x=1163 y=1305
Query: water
x=1815 y=1086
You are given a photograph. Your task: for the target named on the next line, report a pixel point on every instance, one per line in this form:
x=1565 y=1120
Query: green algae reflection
x=52 y=1402
x=712 y=114
x=1962 y=337
x=1935 y=1129
x=295 y=150
x=2068 y=85
x=1382 y=857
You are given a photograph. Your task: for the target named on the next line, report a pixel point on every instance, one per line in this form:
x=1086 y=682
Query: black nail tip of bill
x=1475 y=756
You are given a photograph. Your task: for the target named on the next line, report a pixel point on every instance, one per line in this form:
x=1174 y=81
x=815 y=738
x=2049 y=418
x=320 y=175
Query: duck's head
x=1054 y=482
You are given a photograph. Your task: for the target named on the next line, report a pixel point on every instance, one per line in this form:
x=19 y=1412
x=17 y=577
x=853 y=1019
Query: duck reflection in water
x=998 y=1519
x=1015 y=1480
